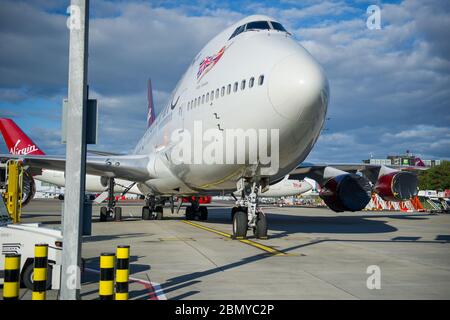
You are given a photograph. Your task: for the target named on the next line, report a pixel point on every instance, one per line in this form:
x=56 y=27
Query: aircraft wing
x=129 y=167
x=103 y=153
x=371 y=171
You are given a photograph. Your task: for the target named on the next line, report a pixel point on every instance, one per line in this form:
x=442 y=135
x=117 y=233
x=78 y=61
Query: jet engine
x=397 y=186
x=345 y=191
x=28 y=188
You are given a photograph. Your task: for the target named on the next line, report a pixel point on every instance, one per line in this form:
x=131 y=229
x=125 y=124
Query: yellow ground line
x=258 y=245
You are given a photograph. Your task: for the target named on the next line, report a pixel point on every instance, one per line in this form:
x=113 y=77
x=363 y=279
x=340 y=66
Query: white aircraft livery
x=246 y=113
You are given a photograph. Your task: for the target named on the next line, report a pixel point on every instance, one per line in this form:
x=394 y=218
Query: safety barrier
x=122 y=272
x=12 y=277
x=121 y=261
x=106 y=284
x=40 y=272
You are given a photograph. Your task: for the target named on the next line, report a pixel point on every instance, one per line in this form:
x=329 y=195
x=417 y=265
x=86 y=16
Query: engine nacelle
x=28 y=188
x=346 y=192
x=397 y=186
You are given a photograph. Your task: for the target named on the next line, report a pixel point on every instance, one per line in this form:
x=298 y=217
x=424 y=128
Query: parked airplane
x=19 y=143
x=252 y=80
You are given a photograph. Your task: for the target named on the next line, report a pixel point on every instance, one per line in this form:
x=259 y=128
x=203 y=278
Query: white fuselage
x=292 y=99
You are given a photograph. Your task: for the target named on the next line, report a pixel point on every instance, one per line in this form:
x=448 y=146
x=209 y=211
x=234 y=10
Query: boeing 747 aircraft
x=246 y=113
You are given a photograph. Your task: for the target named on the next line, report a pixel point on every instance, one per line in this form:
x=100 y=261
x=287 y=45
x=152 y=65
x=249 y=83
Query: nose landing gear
x=247 y=214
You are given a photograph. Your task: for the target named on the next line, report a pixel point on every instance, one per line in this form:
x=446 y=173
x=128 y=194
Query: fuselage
x=257 y=80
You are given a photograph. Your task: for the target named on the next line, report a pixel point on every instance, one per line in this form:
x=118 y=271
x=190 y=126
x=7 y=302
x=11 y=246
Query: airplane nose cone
x=306 y=186
x=297 y=83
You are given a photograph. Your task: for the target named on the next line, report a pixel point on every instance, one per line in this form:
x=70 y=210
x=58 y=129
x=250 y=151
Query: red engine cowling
x=28 y=188
x=397 y=186
x=346 y=192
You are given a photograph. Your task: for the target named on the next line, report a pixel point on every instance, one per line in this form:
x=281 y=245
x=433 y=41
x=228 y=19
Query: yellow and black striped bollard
x=106 y=285
x=12 y=277
x=122 y=272
x=40 y=272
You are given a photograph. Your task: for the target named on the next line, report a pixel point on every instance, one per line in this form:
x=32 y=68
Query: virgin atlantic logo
x=23 y=151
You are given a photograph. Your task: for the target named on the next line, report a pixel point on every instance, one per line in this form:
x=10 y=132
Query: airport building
x=407 y=159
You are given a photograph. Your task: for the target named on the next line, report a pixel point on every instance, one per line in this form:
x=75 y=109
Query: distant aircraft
x=254 y=80
x=285 y=188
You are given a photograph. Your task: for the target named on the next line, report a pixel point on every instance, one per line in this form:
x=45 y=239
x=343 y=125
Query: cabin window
x=235 y=87
x=229 y=89
x=217 y=93
x=195 y=102
x=243 y=85
x=251 y=82
x=222 y=91
x=203 y=99
x=212 y=95
x=261 y=80
x=207 y=97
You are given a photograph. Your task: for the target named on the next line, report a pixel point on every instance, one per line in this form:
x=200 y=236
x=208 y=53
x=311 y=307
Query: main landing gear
x=195 y=211
x=153 y=209
x=111 y=211
x=247 y=214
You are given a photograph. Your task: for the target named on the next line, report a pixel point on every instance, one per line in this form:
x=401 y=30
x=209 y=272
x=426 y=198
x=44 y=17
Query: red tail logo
x=418 y=162
x=16 y=140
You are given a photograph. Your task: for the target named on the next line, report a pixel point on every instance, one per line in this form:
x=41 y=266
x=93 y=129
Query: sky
x=390 y=87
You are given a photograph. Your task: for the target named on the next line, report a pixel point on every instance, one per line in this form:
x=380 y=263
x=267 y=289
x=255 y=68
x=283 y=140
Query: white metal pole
x=78 y=24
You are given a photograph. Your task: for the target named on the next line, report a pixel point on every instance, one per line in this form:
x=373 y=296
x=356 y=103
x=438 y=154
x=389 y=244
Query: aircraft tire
x=260 y=231
x=189 y=213
x=203 y=213
x=118 y=213
x=146 y=213
x=103 y=214
x=240 y=225
x=159 y=213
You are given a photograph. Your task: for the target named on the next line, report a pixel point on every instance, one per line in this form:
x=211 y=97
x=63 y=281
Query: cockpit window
x=237 y=31
x=277 y=26
x=257 y=25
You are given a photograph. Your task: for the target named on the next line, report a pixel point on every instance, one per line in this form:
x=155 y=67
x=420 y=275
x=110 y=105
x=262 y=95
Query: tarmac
x=311 y=253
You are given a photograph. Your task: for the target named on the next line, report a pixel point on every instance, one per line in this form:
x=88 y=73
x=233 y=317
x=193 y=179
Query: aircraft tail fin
x=151 y=106
x=16 y=140
x=418 y=162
